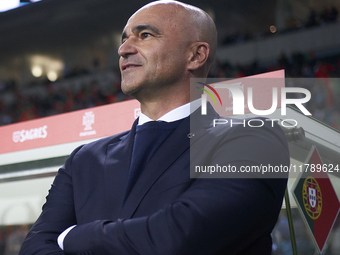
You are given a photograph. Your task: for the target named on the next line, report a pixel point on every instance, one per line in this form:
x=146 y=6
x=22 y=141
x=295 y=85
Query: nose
x=127 y=48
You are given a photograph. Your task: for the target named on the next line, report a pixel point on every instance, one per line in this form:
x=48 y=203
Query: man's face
x=153 y=51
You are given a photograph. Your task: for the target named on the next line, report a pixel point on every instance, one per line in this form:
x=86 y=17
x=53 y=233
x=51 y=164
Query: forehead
x=162 y=16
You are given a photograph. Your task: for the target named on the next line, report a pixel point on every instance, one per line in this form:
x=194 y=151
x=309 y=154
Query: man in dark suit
x=132 y=193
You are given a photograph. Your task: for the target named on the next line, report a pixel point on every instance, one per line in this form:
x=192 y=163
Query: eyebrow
x=140 y=28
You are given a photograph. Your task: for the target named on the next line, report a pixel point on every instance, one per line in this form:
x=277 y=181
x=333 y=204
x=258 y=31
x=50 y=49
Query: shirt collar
x=178 y=113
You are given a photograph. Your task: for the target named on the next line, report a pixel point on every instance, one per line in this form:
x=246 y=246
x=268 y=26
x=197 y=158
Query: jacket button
x=191 y=135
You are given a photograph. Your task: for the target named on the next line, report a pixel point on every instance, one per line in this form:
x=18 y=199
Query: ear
x=199 y=53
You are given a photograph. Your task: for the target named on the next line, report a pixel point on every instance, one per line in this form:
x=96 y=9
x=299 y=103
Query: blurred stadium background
x=58 y=56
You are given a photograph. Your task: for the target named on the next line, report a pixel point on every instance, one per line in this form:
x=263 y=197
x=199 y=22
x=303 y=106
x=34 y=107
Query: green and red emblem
x=316 y=198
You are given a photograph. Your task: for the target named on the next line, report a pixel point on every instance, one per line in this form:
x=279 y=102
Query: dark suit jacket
x=167 y=212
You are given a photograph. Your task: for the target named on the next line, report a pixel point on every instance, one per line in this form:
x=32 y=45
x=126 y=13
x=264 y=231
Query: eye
x=145 y=35
x=124 y=39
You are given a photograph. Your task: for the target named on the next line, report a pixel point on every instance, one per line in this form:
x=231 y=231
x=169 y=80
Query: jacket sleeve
x=57 y=215
x=211 y=215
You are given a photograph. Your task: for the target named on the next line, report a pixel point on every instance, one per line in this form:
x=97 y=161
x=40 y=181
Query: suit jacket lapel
x=175 y=145
x=160 y=162
x=117 y=164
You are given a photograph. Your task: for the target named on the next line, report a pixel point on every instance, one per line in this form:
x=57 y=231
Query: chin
x=129 y=89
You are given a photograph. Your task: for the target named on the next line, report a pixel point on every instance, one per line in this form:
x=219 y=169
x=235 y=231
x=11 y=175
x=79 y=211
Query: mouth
x=129 y=66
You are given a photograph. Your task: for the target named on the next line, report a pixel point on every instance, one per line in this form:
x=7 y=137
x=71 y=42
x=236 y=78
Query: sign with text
x=69 y=127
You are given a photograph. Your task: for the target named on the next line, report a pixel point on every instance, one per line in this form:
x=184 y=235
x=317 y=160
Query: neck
x=156 y=109
x=157 y=102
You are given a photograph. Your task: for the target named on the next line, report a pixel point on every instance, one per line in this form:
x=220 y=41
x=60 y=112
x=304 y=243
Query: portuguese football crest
x=316 y=198
x=312 y=198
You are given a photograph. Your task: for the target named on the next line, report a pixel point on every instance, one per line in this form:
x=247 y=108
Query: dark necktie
x=148 y=138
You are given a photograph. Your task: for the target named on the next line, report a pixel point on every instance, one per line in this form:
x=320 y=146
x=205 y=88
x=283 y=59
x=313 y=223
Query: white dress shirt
x=176 y=114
